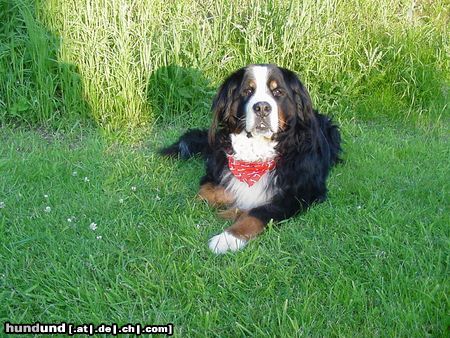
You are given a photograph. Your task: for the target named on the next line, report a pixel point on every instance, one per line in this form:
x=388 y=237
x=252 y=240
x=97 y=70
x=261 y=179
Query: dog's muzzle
x=262 y=112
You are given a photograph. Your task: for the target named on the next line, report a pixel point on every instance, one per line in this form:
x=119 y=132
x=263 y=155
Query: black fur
x=193 y=142
x=308 y=146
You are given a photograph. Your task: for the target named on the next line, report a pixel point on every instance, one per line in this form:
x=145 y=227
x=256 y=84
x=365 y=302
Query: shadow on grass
x=36 y=88
x=180 y=95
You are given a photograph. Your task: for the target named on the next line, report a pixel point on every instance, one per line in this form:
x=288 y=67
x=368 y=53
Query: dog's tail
x=193 y=142
x=333 y=136
x=334 y=140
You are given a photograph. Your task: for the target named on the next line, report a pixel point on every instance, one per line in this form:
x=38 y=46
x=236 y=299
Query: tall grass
x=139 y=61
x=35 y=86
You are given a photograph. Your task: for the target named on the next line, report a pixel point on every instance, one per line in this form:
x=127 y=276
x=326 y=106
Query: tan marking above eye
x=273 y=84
x=251 y=85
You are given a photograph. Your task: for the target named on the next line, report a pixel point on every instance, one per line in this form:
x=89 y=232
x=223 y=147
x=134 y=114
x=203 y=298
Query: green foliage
x=371 y=261
x=35 y=87
x=125 y=64
x=179 y=94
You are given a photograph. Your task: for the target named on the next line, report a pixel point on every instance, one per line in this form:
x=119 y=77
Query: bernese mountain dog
x=267 y=153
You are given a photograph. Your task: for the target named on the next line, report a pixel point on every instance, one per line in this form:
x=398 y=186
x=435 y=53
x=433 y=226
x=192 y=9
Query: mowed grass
x=370 y=261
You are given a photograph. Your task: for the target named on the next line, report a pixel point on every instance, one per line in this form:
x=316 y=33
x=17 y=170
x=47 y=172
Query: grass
x=114 y=61
x=78 y=77
x=371 y=261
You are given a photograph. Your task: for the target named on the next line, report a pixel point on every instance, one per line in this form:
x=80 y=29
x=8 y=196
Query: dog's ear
x=302 y=99
x=224 y=105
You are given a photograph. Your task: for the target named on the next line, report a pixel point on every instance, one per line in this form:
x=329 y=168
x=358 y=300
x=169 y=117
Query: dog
x=267 y=153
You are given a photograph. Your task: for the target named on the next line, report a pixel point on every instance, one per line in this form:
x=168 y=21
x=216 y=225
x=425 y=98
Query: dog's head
x=260 y=99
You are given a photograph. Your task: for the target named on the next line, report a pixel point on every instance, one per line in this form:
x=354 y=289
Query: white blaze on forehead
x=260 y=76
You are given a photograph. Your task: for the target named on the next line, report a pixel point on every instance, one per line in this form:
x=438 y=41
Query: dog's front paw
x=224 y=242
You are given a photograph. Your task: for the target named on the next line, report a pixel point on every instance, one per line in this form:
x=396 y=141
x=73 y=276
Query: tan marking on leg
x=247 y=227
x=232 y=213
x=215 y=194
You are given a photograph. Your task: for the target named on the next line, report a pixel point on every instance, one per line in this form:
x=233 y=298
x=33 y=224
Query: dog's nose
x=262 y=109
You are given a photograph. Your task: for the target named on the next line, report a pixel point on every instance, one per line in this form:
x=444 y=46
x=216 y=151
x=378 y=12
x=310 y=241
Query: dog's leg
x=231 y=214
x=236 y=236
x=215 y=195
x=251 y=223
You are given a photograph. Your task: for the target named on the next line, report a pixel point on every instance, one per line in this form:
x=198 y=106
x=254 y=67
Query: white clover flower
x=86 y=179
x=99 y=237
x=133 y=188
x=93 y=226
x=74 y=173
x=45 y=196
x=2 y=205
x=157 y=198
x=69 y=220
x=121 y=200
x=47 y=209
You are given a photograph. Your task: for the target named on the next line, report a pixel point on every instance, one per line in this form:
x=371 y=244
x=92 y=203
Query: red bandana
x=249 y=172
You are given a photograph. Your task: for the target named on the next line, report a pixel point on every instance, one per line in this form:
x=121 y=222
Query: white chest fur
x=256 y=148
x=247 y=197
x=250 y=150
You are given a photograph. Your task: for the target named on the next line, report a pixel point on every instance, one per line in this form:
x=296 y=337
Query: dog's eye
x=248 y=91
x=277 y=92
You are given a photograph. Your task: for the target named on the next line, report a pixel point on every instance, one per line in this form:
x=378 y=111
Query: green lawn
x=370 y=261
x=95 y=227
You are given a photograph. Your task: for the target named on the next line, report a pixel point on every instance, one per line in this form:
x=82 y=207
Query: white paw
x=225 y=241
